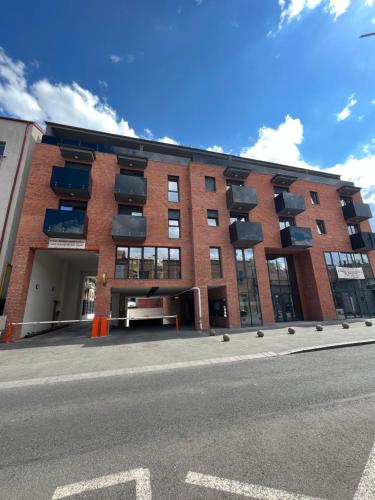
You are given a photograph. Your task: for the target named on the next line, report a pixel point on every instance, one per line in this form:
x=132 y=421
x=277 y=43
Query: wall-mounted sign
x=65 y=243
x=350 y=273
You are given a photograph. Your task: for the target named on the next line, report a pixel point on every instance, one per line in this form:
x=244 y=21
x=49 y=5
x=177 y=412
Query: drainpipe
x=199 y=303
x=14 y=186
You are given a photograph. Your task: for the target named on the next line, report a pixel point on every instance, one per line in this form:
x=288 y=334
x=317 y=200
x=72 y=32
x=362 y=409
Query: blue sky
x=279 y=80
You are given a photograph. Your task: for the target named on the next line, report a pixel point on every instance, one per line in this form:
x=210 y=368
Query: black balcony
x=241 y=198
x=131 y=189
x=245 y=234
x=71 y=182
x=355 y=212
x=65 y=224
x=132 y=162
x=77 y=153
x=363 y=241
x=289 y=205
x=296 y=237
x=129 y=228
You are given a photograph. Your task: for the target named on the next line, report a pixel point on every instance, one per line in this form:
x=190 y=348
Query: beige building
x=17 y=141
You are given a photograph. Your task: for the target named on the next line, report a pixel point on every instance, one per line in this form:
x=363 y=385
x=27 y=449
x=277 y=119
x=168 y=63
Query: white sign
x=350 y=273
x=65 y=243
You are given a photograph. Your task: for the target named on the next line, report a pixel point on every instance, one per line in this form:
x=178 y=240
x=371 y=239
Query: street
x=297 y=426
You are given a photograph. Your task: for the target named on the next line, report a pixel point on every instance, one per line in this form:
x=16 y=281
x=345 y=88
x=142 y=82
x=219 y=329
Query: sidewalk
x=72 y=352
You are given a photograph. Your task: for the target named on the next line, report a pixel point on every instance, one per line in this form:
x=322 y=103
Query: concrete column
x=204 y=302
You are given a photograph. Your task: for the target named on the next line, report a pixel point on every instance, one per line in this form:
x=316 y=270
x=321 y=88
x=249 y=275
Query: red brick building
x=226 y=241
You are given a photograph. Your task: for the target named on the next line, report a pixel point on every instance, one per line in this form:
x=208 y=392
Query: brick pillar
x=204 y=302
x=22 y=265
x=265 y=297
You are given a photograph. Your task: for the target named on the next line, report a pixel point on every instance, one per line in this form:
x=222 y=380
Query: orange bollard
x=177 y=325
x=95 y=327
x=104 y=324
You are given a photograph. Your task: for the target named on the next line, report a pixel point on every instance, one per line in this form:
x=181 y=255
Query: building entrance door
x=283 y=307
x=350 y=304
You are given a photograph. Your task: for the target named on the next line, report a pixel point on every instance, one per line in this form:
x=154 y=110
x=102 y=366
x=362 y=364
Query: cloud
x=148 y=133
x=346 y=112
x=115 y=59
x=103 y=84
x=199 y=2
x=216 y=149
x=168 y=140
x=293 y=9
x=130 y=58
x=280 y=145
x=64 y=103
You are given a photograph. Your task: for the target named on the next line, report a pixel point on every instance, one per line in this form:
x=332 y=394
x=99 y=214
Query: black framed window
x=132 y=173
x=148 y=263
x=173 y=189
x=247 y=284
x=345 y=200
x=174 y=229
x=353 y=228
x=130 y=210
x=234 y=182
x=210 y=183
x=286 y=222
x=212 y=218
x=215 y=259
x=2 y=148
x=280 y=189
x=321 y=227
x=314 y=198
x=238 y=216
x=70 y=205
x=77 y=166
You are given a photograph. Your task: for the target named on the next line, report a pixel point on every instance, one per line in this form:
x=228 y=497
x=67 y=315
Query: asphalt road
x=303 y=424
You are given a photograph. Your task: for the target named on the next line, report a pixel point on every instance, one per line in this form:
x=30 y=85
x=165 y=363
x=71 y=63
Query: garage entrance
x=62 y=287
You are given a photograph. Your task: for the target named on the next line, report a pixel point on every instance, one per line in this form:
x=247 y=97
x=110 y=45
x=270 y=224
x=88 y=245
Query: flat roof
x=70 y=132
x=23 y=121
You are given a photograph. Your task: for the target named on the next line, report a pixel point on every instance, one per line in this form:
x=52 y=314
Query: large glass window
x=247 y=287
x=130 y=210
x=148 y=263
x=215 y=258
x=173 y=189
x=174 y=224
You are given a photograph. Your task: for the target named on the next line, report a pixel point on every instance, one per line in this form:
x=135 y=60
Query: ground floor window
x=352 y=283
x=247 y=283
x=148 y=263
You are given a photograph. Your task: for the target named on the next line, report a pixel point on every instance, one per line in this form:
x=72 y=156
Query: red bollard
x=104 y=324
x=177 y=325
x=95 y=327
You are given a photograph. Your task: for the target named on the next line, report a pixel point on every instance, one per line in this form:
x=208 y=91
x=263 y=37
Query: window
x=314 y=198
x=215 y=262
x=77 y=166
x=212 y=217
x=345 y=200
x=353 y=228
x=210 y=183
x=2 y=148
x=148 y=263
x=173 y=189
x=286 y=222
x=321 y=227
x=234 y=182
x=238 y=216
x=174 y=224
x=69 y=205
x=279 y=189
x=130 y=210
x=133 y=173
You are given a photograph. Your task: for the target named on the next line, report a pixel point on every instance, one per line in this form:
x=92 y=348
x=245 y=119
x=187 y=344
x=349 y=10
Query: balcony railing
x=129 y=228
x=65 y=224
x=131 y=189
x=296 y=237
x=71 y=182
x=241 y=198
x=245 y=234
x=363 y=241
x=355 y=212
x=289 y=205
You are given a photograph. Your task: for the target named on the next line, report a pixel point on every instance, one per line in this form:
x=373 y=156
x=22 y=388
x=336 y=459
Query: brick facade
x=196 y=236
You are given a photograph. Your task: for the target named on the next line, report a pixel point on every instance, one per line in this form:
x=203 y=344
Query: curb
x=325 y=347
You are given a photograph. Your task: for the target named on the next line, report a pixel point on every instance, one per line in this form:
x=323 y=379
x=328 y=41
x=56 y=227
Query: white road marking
x=140 y=476
x=366 y=486
x=244 y=489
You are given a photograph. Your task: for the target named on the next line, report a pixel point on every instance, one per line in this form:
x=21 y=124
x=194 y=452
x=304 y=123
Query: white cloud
x=64 y=103
x=168 y=140
x=216 y=149
x=199 y=2
x=279 y=145
x=373 y=20
x=293 y=9
x=148 y=133
x=373 y=102
x=130 y=58
x=103 y=83
x=115 y=59
x=346 y=112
